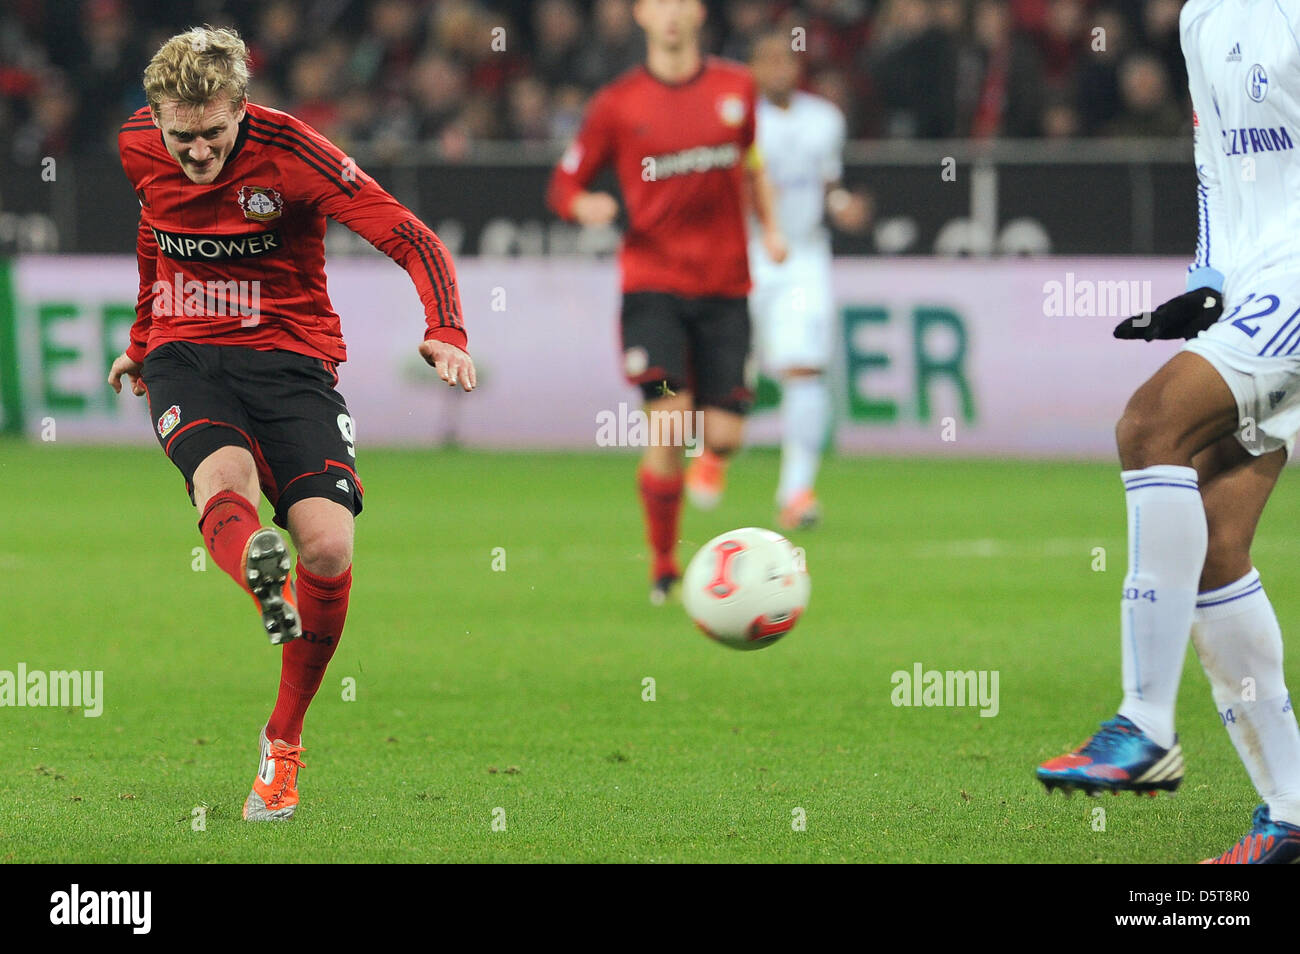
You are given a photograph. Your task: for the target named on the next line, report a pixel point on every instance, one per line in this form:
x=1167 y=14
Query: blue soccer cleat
x=1267 y=843
x=1119 y=758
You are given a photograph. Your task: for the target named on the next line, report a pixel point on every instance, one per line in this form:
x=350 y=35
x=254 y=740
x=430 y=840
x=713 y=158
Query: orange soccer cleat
x=706 y=478
x=275 y=790
x=801 y=513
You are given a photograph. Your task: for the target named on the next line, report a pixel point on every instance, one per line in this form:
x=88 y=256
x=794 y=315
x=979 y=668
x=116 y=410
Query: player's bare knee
x=204 y=495
x=1141 y=439
x=226 y=472
x=723 y=435
x=322 y=531
x=663 y=459
x=231 y=477
x=325 y=553
x=723 y=430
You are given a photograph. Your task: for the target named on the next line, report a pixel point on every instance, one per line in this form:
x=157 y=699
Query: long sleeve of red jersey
x=393 y=229
x=585 y=157
x=355 y=200
x=146 y=254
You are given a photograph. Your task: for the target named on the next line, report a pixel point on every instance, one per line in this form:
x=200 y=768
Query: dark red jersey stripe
x=333 y=178
x=404 y=230
x=288 y=134
x=437 y=252
x=429 y=250
x=267 y=128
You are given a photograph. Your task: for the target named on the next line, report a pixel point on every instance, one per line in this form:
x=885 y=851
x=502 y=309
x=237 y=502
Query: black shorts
x=280 y=406
x=695 y=344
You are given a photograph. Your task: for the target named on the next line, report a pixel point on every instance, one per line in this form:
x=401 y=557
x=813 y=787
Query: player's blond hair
x=197 y=66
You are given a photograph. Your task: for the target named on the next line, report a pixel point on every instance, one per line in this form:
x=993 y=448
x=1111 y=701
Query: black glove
x=1183 y=317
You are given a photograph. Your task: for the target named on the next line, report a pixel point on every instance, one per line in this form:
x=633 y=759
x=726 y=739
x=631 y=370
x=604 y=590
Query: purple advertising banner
x=1008 y=357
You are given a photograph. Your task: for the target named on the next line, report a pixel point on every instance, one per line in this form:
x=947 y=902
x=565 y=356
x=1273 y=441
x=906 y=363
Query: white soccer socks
x=1240 y=644
x=1234 y=628
x=805 y=418
x=1167 y=539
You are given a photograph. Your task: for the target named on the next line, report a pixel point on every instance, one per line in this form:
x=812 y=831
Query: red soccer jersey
x=241 y=261
x=679 y=152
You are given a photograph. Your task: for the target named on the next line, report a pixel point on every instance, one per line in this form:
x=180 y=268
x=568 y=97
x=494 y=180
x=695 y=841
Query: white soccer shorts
x=794 y=315
x=1255 y=347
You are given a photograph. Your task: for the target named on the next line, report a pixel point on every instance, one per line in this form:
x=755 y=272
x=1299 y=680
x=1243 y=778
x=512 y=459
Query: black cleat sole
x=266 y=570
x=1151 y=789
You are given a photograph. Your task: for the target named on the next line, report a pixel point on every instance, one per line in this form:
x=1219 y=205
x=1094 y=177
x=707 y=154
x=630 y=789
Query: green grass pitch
x=517 y=694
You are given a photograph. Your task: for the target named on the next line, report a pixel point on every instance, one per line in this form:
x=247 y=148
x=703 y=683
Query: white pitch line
x=994 y=548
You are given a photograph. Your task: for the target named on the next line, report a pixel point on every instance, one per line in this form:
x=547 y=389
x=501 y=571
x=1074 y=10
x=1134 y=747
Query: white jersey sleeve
x=833 y=161
x=1208 y=267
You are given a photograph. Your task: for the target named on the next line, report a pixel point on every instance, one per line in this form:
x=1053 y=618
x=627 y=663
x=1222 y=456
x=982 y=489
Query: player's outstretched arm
x=335 y=187
x=762 y=196
x=453 y=365
x=123 y=365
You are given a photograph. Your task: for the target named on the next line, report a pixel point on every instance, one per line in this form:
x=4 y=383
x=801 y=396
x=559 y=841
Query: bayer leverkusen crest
x=259 y=204
x=731 y=110
x=167 y=423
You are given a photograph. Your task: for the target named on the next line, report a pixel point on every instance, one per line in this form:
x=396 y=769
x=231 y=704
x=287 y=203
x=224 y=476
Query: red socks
x=227 y=522
x=323 y=607
x=661 y=497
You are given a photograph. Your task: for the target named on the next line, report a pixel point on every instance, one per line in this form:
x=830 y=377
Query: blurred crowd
x=445 y=74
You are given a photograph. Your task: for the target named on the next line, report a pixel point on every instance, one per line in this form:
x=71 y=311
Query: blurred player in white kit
x=801 y=138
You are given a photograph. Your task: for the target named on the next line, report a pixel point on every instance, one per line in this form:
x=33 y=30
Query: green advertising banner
x=11 y=403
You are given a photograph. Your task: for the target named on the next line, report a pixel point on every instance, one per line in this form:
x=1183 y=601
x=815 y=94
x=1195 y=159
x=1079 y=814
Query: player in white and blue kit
x=801 y=138
x=1204 y=440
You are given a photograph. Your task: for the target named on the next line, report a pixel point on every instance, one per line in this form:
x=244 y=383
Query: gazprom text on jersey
x=1238 y=142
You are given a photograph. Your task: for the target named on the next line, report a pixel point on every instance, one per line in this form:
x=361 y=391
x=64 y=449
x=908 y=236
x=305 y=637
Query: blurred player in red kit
x=236 y=345
x=679 y=134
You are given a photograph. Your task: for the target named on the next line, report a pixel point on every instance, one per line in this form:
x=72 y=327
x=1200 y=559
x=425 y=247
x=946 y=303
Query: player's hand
x=594 y=208
x=453 y=365
x=1183 y=317
x=124 y=365
x=774 y=244
x=849 y=211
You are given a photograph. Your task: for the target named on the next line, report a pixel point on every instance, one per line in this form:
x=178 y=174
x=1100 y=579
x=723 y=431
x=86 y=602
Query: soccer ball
x=747 y=588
